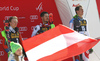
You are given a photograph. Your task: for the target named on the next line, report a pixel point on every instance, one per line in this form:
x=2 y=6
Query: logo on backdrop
x=0 y=41
x=75 y=5
x=40 y=8
x=1 y=53
x=9 y=8
x=33 y=17
x=32 y=27
x=23 y=28
x=0 y=29
x=21 y=17
x=7 y=17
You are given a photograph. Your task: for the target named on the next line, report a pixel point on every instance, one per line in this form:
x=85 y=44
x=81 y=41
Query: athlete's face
x=45 y=18
x=80 y=11
x=13 y=23
x=19 y=52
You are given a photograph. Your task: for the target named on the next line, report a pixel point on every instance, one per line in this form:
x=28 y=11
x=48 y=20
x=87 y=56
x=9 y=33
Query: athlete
x=11 y=33
x=79 y=24
x=46 y=19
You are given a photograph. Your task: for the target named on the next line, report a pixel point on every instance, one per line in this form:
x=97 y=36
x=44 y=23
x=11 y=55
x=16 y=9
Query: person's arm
x=87 y=29
x=5 y=45
x=71 y=25
x=98 y=38
x=11 y=57
x=36 y=29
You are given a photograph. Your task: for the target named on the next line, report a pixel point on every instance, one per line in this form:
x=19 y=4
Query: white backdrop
x=94 y=28
x=92 y=18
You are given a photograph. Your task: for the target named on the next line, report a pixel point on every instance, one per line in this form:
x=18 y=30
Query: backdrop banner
x=28 y=13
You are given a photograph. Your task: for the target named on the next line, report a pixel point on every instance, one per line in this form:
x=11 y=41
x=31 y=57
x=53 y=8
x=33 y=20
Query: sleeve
x=87 y=33
x=98 y=38
x=11 y=57
x=87 y=30
x=36 y=29
x=71 y=25
x=5 y=45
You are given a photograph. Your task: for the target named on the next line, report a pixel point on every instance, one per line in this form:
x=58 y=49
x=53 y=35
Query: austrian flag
x=57 y=44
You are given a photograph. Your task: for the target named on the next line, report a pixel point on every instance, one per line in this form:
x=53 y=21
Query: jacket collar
x=11 y=29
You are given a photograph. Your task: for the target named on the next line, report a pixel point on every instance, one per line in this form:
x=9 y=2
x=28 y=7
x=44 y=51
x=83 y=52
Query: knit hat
x=14 y=46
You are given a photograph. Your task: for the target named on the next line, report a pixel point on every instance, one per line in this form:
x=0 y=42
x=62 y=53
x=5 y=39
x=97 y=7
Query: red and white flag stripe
x=57 y=44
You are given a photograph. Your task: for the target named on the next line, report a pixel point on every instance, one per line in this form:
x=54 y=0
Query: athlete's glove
x=90 y=51
x=9 y=53
x=36 y=29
